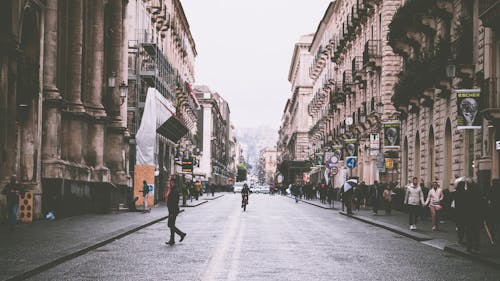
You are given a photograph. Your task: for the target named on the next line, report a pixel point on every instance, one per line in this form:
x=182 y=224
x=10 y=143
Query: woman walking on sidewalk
x=414 y=198
x=434 y=202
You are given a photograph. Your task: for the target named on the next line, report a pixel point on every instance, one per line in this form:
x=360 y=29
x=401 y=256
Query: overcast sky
x=244 y=51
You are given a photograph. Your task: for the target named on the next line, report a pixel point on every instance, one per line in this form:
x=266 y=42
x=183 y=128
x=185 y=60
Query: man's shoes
x=182 y=237
x=171 y=243
x=413 y=227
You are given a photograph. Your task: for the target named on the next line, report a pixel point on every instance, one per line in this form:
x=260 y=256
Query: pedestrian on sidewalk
x=363 y=189
x=494 y=213
x=331 y=195
x=197 y=190
x=12 y=191
x=348 y=192
x=460 y=205
x=434 y=199
x=212 y=189
x=145 y=192
x=173 y=211
x=474 y=216
x=387 y=195
x=375 y=196
x=414 y=199
x=424 y=213
x=357 y=198
x=322 y=192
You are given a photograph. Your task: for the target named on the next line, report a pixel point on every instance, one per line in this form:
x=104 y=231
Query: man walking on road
x=414 y=199
x=173 y=211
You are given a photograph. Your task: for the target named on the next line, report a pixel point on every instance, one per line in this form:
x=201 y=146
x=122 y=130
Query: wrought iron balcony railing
x=373 y=50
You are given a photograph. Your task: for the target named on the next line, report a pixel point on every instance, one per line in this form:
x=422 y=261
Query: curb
x=216 y=197
x=314 y=204
x=458 y=250
x=57 y=261
x=195 y=205
x=396 y=229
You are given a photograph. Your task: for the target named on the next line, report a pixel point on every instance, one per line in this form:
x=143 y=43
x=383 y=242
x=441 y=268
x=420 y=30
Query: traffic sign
x=334 y=159
x=335 y=170
x=351 y=162
x=329 y=165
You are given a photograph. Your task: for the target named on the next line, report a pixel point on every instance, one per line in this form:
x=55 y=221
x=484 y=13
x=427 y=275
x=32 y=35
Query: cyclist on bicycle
x=244 y=194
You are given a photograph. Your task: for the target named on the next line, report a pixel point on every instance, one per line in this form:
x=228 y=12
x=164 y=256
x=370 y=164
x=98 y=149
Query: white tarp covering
x=156 y=111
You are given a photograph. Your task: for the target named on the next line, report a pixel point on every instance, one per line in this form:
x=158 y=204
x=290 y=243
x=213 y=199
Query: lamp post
x=450 y=69
x=123 y=91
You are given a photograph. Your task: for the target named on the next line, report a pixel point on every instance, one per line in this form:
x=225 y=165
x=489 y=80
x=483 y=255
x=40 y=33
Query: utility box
x=25 y=210
x=141 y=173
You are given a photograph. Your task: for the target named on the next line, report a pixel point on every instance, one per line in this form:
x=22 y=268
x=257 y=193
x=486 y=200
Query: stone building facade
x=214 y=129
x=62 y=130
x=267 y=165
x=161 y=55
x=433 y=146
x=293 y=143
x=353 y=73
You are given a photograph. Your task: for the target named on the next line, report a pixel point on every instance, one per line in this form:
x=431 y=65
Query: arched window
x=432 y=156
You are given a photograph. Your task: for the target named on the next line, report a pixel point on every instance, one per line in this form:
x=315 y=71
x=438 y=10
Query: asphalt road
x=276 y=239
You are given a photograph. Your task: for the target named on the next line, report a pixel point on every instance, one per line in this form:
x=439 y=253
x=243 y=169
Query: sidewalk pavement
x=444 y=239
x=34 y=247
x=318 y=203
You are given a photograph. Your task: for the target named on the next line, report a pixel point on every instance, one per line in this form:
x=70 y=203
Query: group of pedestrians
x=470 y=207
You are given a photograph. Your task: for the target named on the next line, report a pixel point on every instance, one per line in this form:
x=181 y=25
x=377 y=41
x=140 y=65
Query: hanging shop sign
x=319 y=158
x=391 y=134
x=468 y=109
x=498 y=145
x=337 y=151
x=374 y=141
x=351 y=147
x=187 y=165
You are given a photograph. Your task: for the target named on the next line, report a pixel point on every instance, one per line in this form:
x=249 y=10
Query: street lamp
x=123 y=91
x=362 y=117
x=380 y=107
x=112 y=80
x=450 y=69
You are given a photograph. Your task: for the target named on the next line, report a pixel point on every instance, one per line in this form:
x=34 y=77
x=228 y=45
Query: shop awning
x=172 y=129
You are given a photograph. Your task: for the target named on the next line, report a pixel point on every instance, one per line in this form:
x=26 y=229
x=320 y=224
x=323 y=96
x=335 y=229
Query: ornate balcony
x=357 y=68
x=347 y=81
x=372 y=55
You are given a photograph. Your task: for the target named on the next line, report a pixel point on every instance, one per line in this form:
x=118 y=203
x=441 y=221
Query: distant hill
x=255 y=139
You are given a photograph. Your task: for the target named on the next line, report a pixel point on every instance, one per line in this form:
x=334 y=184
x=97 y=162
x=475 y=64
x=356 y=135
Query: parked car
x=238 y=186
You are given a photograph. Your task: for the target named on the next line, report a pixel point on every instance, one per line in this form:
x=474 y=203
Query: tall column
x=52 y=99
x=73 y=126
x=94 y=103
x=116 y=56
x=114 y=152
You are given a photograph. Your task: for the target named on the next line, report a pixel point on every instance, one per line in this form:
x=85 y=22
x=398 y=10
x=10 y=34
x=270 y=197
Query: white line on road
x=216 y=263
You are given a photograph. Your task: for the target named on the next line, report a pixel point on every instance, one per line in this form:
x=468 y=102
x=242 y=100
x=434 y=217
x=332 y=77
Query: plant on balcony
x=408 y=18
x=421 y=73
